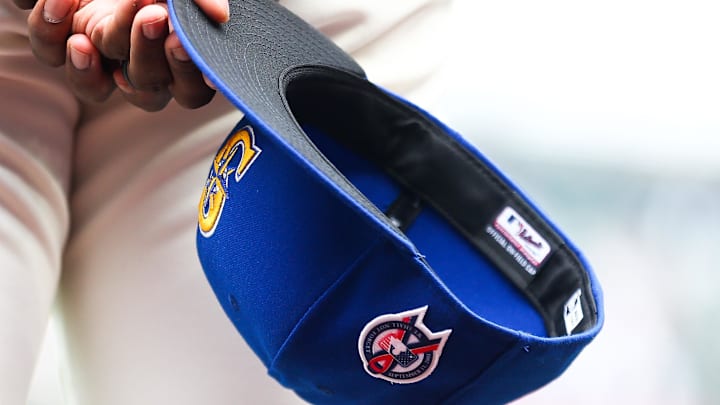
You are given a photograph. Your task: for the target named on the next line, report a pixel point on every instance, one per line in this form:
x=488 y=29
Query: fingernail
x=122 y=84
x=80 y=60
x=225 y=5
x=55 y=11
x=180 y=55
x=209 y=83
x=153 y=30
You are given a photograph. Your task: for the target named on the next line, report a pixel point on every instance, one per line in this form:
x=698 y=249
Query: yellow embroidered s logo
x=225 y=166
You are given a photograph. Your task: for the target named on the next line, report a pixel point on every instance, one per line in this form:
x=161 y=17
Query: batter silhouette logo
x=399 y=347
x=232 y=161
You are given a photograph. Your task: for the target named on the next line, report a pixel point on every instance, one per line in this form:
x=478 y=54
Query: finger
x=147 y=100
x=49 y=25
x=209 y=82
x=187 y=87
x=148 y=69
x=218 y=10
x=111 y=35
x=24 y=4
x=85 y=73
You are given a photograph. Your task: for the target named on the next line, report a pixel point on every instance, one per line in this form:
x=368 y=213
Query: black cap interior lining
x=262 y=61
x=421 y=156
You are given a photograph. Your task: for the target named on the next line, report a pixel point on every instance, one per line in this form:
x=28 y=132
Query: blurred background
x=607 y=114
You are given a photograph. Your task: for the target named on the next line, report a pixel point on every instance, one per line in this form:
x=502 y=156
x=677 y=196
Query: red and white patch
x=399 y=347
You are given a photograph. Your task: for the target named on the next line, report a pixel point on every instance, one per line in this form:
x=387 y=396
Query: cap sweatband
x=365 y=251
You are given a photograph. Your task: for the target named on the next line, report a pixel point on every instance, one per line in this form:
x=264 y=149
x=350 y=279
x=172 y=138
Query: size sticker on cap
x=519 y=239
x=573 y=312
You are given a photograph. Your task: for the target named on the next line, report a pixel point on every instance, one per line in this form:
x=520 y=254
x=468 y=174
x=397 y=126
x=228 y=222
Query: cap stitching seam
x=301 y=321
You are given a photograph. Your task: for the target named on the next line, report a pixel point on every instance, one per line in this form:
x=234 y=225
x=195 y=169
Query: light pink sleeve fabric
x=37 y=119
x=98 y=203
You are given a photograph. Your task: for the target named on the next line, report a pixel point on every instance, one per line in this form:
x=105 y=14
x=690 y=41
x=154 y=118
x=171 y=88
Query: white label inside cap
x=523 y=236
x=573 y=312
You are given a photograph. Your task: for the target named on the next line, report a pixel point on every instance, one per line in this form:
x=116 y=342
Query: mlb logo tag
x=522 y=236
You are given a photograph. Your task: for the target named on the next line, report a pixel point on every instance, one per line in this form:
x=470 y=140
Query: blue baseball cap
x=364 y=250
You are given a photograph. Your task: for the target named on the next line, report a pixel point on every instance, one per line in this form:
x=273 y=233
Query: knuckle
x=94 y=96
x=150 y=86
x=91 y=91
x=153 y=107
x=24 y=4
x=193 y=97
x=192 y=103
x=184 y=68
x=150 y=101
x=149 y=81
x=98 y=97
x=49 y=56
x=118 y=50
x=104 y=93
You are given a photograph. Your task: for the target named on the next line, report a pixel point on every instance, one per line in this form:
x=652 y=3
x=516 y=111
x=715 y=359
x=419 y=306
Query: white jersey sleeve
x=103 y=198
x=38 y=116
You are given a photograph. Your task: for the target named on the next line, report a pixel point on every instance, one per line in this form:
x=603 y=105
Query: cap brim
x=357 y=182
